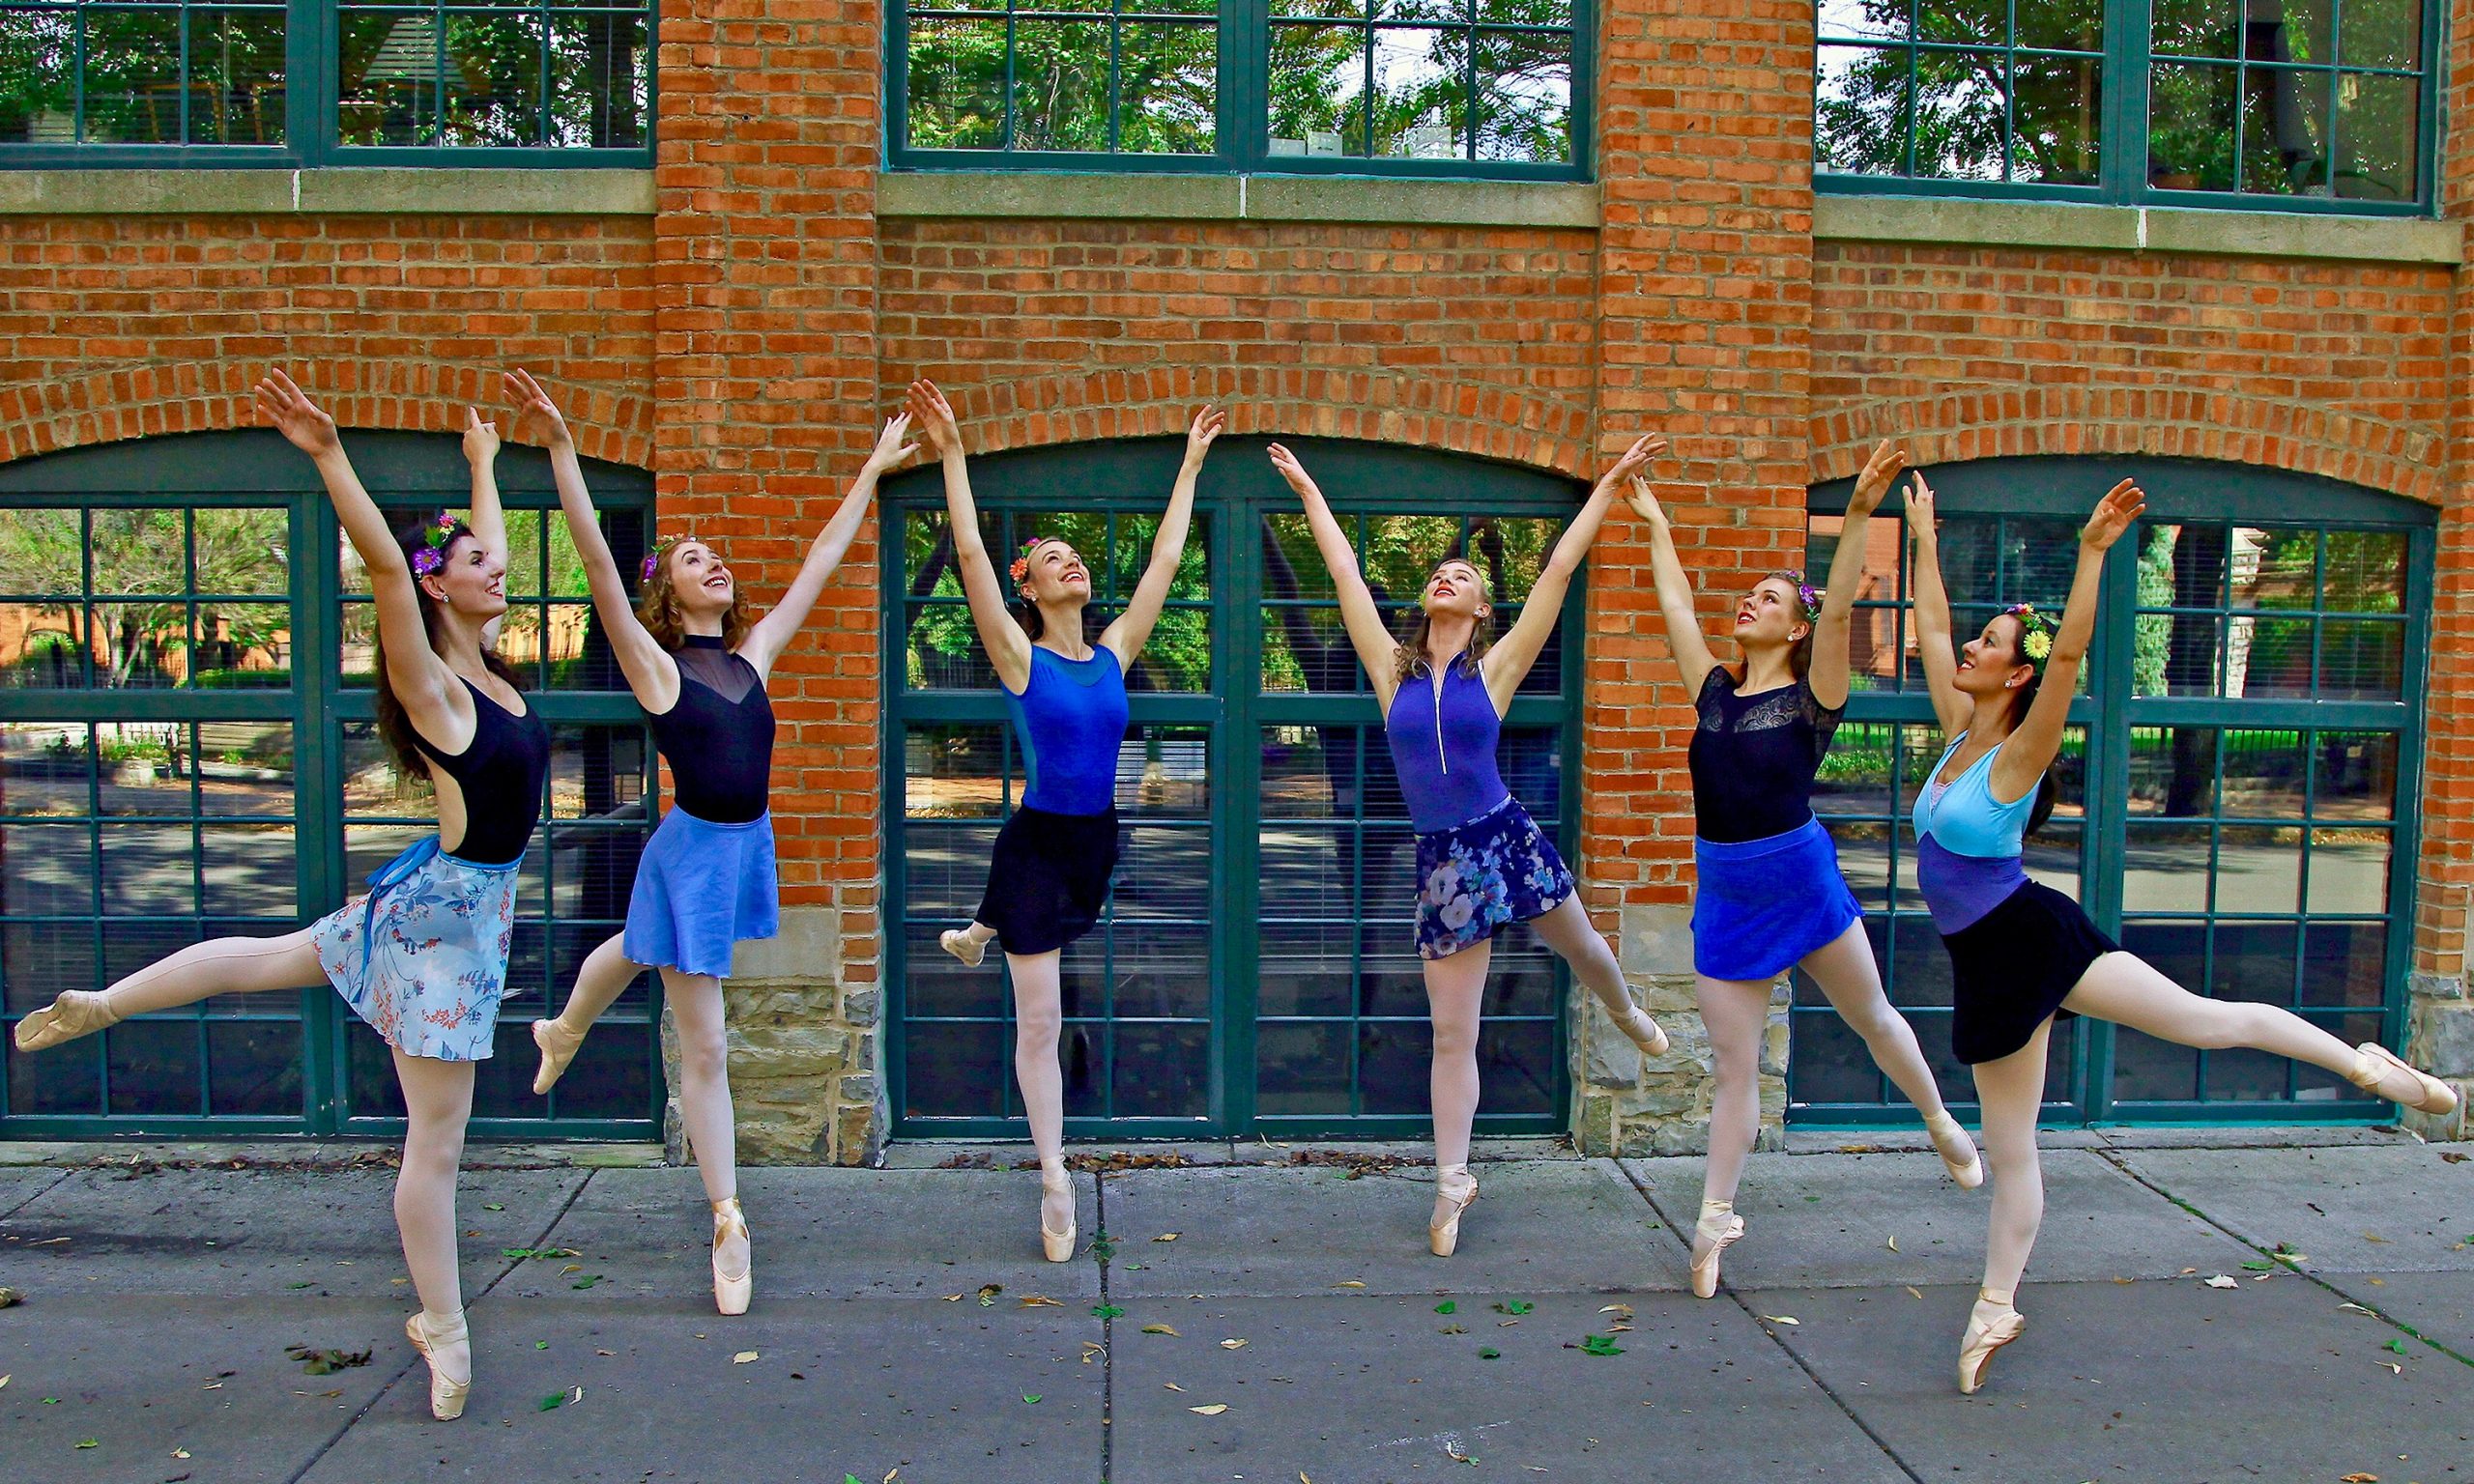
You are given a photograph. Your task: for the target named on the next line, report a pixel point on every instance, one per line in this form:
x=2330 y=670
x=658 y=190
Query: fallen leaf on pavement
x=1173 y=1387
x=1232 y=1344
x=2222 y=1281
x=2393 y=1369
x=2356 y=1308
x=1031 y=1398
x=1212 y=1410
x=1350 y=1283
x=180 y=1452
x=742 y=1357
x=1167 y=1236
x=1913 y=1292
x=1620 y=1310
x=2359 y=1478
x=1038 y=1301
x=988 y=1293
x=1169 y=1330
x=1893 y=1243
x=950 y=1298
x=1783 y=1319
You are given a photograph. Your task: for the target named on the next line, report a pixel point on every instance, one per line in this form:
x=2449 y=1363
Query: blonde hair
x=657 y=606
x=1409 y=657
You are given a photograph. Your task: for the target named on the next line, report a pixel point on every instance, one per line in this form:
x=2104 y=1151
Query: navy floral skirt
x=1475 y=877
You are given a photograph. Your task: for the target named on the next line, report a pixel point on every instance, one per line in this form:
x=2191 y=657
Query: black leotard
x=718 y=735
x=500 y=774
x=1754 y=757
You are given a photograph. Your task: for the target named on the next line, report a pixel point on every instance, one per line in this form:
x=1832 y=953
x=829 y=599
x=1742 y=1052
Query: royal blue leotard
x=1071 y=718
x=1443 y=746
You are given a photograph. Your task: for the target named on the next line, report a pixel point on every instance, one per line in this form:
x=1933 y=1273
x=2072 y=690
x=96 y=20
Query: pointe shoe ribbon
x=1457 y=1189
x=1643 y=1032
x=1968 y=1169
x=1991 y=1324
x=730 y=1294
x=76 y=1013
x=447 y=1396
x=2384 y=1073
x=1718 y=1229
x=559 y=1046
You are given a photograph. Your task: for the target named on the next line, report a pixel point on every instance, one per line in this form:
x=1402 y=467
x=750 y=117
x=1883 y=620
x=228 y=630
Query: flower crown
x=2035 y=633
x=663 y=546
x=436 y=537
x=1021 y=567
x=1806 y=593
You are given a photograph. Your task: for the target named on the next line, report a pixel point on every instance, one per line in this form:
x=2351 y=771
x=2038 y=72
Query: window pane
x=1524 y=96
x=2055 y=115
x=1873 y=20
x=474 y=76
x=1060 y=85
x=956 y=83
x=1861 y=111
x=2190 y=127
x=2382 y=33
x=2195 y=28
x=2284 y=130
x=2379 y=137
x=1167 y=88
x=1959 y=104
x=2366 y=572
x=2059 y=25
x=601 y=78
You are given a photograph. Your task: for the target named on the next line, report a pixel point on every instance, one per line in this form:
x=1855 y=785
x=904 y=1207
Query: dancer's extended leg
x=1845 y=970
x=604 y=975
x=217 y=966
x=438 y=1101
x=2011 y=1092
x=696 y=1009
x=1039 y=1019
x=1569 y=931
x=1456 y=991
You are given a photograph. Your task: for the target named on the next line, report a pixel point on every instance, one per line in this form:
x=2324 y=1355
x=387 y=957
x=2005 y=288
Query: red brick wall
x=120 y=328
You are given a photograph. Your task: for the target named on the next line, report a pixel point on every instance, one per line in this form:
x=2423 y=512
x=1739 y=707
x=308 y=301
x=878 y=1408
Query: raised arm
x=771 y=635
x=1683 y=637
x=482 y=451
x=415 y=672
x=1368 y=636
x=2036 y=740
x=1008 y=646
x=1511 y=657
x=1836 y=628
x=1930 y=611
x=1133 y=628
x=652 y=673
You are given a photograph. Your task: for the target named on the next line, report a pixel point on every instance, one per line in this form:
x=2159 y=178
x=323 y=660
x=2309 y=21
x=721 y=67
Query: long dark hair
x=1409 y=656
x=394 y=725
x=2048 y=787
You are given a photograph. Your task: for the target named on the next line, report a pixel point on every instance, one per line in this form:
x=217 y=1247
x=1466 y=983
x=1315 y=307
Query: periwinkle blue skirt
x=1763 y=904
x=702 y=888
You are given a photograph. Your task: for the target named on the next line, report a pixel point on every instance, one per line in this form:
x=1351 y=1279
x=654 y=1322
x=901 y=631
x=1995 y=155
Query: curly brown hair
x=1409 y=658
x=657 y=606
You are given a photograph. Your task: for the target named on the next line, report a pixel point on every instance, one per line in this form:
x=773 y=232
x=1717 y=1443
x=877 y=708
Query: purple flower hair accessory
x=436 y=537
x=1805 y=594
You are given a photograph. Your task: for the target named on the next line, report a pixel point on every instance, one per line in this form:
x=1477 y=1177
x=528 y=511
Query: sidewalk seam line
x=1771 y=1335
x=1107 y=1336
x=353 y=1421
x=2380 y=1314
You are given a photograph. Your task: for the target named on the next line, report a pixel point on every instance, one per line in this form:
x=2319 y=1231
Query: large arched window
x=1256 y=968
x=188 y=749
x=2238 y=781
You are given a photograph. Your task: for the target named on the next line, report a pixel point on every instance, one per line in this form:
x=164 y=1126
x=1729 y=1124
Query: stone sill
x=339 y=190
x=1003 y=193
x=1950 y=221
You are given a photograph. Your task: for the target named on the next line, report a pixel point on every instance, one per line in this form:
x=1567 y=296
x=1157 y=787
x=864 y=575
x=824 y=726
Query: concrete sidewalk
x=1256 y=1313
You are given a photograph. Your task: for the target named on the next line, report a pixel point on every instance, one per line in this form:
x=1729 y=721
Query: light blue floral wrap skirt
x=423 y=957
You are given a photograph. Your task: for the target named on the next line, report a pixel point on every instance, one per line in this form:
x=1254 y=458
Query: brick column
x=2441 y=1015
x=765 y=376
x=1704 y=304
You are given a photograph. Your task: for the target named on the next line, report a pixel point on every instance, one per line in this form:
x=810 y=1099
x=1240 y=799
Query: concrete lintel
x=1962 y=222
x=343 y=190
x=999 y=193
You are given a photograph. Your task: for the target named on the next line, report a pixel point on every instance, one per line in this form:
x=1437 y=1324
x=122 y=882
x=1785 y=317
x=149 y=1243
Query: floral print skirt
x=1475 y=877
x=422 y=957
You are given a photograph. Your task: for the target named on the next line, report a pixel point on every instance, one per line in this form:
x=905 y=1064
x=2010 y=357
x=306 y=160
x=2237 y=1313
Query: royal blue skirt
x=1763 y=904
x=701 y=888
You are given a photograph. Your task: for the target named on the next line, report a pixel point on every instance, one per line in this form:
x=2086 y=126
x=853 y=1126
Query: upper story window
x=2309 y=103
x=312 y=82
x=1393 y=87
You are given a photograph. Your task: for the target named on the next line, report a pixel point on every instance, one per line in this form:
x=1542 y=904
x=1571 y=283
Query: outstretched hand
x=1919 y=505
x=537 y=419
x=481 y=439
x=1646 y=505
x=1647 y=446
x=934 y=417
x=890 y=449
x=1291 y=471
x=1207 y=426
x=1879 y=472
x=2122 y=504
x=303 y=422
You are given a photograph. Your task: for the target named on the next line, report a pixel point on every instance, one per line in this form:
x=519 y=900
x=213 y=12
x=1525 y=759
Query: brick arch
x=2153 y=420
x=104 y=407
x=1490 y=422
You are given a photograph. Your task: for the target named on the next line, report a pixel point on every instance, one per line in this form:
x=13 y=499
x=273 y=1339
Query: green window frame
x=307 y=83
x=262 y=798
x=1273 y=879
x=1488 y=89
x=2239 y=781
x=2160 y=102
